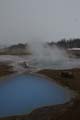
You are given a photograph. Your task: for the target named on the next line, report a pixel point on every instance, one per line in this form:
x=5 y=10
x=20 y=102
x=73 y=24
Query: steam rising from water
x=44 y=56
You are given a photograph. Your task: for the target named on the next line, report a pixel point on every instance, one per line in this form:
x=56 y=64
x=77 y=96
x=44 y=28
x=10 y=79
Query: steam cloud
x=47 y=57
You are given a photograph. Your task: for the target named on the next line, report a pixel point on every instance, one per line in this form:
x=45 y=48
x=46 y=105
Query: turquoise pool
x=23 y=93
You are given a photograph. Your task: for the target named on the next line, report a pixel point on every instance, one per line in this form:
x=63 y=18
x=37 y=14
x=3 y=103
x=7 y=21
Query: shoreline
x=66 y=111
x=69 y=78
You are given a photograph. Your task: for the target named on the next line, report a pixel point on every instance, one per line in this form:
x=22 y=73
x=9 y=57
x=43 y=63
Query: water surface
x=23 y=93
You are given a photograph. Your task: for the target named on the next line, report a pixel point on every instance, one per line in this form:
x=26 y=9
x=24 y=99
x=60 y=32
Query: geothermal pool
x=23 y=93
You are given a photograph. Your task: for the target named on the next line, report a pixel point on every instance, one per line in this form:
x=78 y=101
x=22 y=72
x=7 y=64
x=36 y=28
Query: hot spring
x=21 y=94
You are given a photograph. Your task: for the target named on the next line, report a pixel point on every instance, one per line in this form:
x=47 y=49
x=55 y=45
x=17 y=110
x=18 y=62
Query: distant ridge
x=71 y=43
